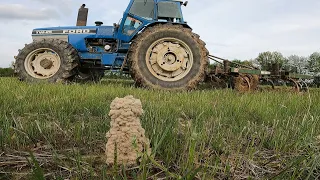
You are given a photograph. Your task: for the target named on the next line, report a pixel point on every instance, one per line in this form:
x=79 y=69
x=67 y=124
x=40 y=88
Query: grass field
x=58 y=132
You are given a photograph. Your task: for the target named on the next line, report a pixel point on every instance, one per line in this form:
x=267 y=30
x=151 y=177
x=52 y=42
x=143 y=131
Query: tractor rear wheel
x=168 y=57
x=49 y=60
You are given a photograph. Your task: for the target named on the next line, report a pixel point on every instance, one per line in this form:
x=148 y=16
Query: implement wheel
x=295 y=85
x=168 y=57
x=241 y=83
x=47 y=60
x=245 y=82
x=254 y=82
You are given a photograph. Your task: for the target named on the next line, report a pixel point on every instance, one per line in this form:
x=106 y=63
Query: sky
x=232 y=29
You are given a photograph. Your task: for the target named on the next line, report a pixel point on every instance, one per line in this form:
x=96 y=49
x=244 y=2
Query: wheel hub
x=169 y=59
x=42 y=63
x=46 y=64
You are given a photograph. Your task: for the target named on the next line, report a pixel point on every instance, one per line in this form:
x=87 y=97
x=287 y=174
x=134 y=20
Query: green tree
x=296 y=64
x=6 y=72
x=266 y=59
x=237 y=61
x=314 y=63
x=246 y=63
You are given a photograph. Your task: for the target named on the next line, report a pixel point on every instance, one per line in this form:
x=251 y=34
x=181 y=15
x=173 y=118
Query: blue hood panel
x=98 y=30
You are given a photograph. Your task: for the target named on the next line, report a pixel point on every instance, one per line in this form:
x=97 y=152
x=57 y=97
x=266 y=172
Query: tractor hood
x=66 y=30
x=74 y=30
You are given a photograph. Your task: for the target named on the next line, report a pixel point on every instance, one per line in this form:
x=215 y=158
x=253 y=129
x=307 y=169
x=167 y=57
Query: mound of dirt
x=126 y=137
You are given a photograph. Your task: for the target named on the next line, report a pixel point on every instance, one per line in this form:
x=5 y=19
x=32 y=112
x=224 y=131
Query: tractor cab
x=156 y=10
x=141 y=13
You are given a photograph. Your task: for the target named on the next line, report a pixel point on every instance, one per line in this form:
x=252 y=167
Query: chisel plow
x=244 y=78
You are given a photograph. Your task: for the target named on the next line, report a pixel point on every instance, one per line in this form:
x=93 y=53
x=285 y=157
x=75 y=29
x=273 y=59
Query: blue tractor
x=152 y=42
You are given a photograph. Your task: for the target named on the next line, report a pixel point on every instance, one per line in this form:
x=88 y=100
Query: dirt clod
x=126 y=137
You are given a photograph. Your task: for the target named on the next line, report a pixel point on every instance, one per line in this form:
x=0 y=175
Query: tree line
x=6 y=72
x=296 y=64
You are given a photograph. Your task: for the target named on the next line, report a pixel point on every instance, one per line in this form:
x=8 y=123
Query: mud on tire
x=61 y=51
x=138 y=58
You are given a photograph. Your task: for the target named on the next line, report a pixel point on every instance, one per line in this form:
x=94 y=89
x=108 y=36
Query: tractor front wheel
x=47 y=60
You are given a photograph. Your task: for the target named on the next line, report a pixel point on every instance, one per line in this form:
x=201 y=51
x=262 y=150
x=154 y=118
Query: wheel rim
x=169 y=59
x=42 y=63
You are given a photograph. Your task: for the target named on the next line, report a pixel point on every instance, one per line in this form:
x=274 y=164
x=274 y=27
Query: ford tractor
x=152 y=42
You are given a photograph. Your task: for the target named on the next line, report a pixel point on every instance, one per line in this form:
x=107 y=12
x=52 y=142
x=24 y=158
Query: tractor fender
x=156 y=23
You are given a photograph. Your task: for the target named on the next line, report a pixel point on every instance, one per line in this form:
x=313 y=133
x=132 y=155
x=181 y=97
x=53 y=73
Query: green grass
x=202 y=134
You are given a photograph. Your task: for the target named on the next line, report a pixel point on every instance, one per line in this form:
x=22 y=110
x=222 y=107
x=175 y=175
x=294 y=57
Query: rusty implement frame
x=246 y=78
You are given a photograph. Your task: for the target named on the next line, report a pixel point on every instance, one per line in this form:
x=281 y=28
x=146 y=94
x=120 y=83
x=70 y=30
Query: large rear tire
x=168 y=57
x=48 y=60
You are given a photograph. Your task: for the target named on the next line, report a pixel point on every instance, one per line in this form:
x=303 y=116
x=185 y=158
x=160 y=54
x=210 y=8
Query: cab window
x=130 y=26
x=169 y=10
x=143 y=8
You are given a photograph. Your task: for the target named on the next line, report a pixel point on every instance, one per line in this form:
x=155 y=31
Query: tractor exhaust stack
x=82 y=16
